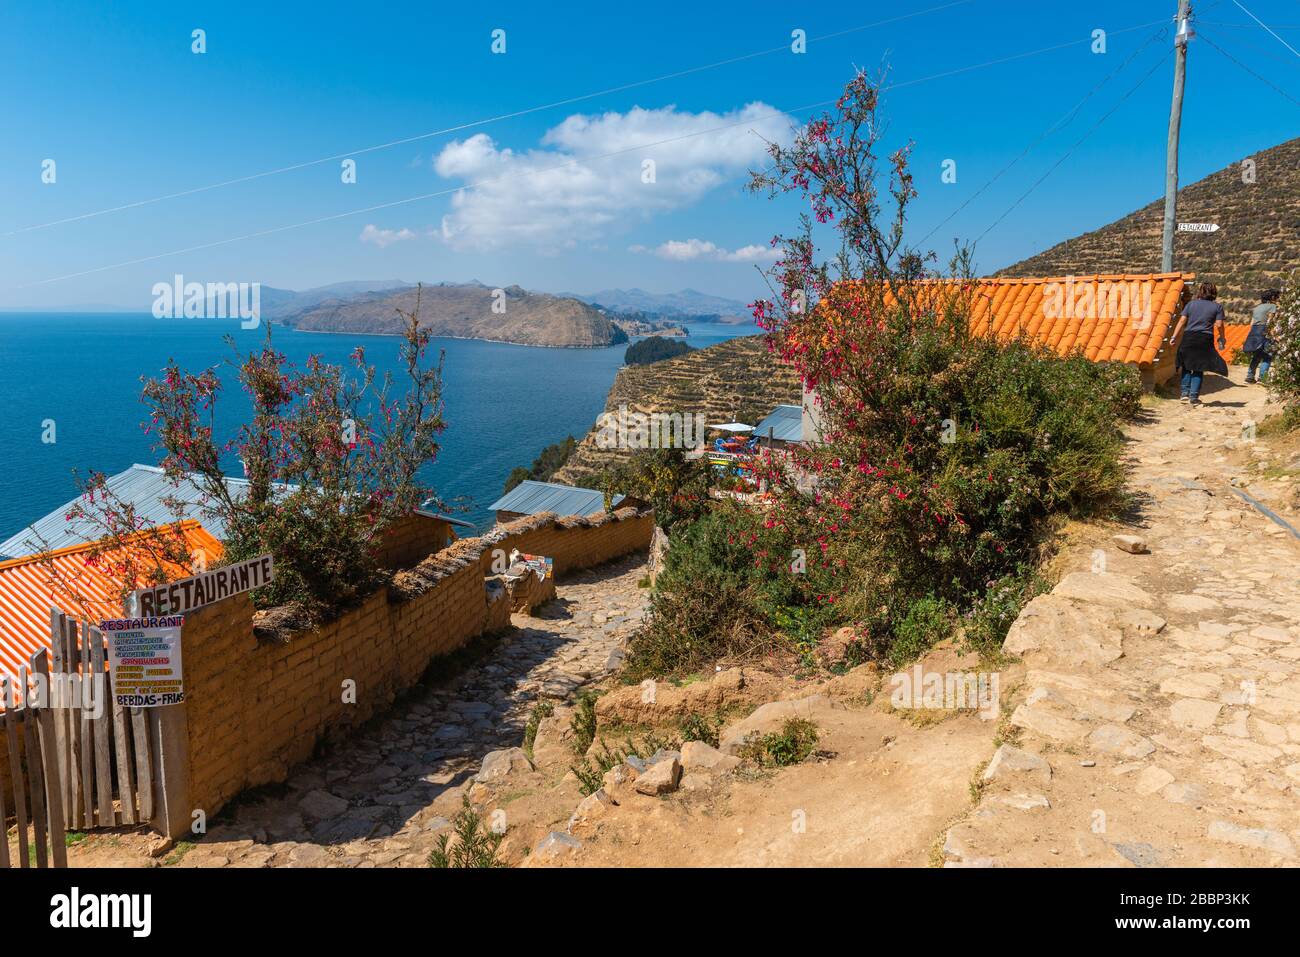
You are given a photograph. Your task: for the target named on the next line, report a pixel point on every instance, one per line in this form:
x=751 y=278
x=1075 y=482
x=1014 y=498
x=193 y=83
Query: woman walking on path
x=1203 y=320
x=1257 y=345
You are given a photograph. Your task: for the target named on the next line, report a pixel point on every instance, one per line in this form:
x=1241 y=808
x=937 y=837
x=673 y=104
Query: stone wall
x=257 y=706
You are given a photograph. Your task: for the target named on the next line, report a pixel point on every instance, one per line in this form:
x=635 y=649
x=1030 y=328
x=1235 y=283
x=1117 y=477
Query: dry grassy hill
x=1258 y=242
x=465 y=311
x=737 y=379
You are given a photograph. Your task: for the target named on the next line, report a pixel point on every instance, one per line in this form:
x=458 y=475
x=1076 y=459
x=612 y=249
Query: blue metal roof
x=785 y=423
x=531 y=498
x=144 y=487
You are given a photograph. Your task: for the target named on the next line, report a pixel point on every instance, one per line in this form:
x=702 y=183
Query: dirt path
x=1185 y=750
x=381 y=798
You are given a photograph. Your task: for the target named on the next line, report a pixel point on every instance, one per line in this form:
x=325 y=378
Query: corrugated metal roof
x=142 y=486
x=532 y=498
x=785 y=423
x=30 y=586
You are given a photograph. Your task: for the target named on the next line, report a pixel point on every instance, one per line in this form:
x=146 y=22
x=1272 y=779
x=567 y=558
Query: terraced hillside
x=1258 y=241
x=737 y=379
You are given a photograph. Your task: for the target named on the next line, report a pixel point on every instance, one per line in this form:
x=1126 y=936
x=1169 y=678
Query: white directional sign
x=1198 y=227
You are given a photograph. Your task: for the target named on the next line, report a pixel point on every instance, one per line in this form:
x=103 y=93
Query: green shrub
x=988 y=620
x=654 y=349
x=469 y=845
x=926 y=621
x=696 y=727
x=793 y=743
x=583 y=723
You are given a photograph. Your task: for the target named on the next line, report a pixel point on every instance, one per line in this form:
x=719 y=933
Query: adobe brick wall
x=409 y=540
x=255 y=708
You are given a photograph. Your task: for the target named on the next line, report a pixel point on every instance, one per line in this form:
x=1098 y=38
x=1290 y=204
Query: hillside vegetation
x=654 y=349
x=1255 y=246
x=734 y=380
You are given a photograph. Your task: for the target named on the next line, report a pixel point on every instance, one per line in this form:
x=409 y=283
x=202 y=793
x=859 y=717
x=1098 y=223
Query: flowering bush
x=1284 y=333
x=331 y=459
x=944 y=452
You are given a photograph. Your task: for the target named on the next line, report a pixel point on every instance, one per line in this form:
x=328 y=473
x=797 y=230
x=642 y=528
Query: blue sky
x=115 y=96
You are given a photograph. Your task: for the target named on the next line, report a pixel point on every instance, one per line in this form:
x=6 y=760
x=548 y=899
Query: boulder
x=499 y=765
x=772 y=717
x=661 y=778
x=698 y=756
x=593 y=806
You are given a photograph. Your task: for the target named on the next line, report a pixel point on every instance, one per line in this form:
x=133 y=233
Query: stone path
x=375 y=801
x=1158 y=719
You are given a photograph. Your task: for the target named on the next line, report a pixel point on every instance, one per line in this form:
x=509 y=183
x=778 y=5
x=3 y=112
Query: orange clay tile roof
x=28 y=589
x=1112 y=318
x=1235 y=336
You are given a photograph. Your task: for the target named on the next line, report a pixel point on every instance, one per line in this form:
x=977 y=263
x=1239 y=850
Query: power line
x=1059 y=124
x=1261 y=79
x=1072 y=149
x=1268 y=28
x=455 y=189
x=569 y=101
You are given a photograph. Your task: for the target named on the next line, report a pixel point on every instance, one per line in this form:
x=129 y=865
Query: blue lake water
x=504 y=403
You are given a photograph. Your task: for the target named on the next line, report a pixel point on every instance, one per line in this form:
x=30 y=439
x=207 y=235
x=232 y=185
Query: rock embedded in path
x=1133 y=544
x=1011 y=762
x=498 y=765
x=556 y=845
x=321 y=805
x=1103 y=589
x=1065 y=631
x=1255 y=837
x=1116 y=740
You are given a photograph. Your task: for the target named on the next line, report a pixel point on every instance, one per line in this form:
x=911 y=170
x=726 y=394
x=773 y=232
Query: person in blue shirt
x=1201 y=322
x=1257 y=344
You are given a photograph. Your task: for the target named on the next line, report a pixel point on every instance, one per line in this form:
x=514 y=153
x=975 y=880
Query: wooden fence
x=77 y=761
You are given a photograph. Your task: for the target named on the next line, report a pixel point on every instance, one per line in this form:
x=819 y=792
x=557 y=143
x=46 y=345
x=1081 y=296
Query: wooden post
x=103 y=724
x=169 y=732
x=72 y=664
x=56 y=677
x=1181 y=34
x=35 y=779
x=15 y=769
x=88 y=731
x=51 y=757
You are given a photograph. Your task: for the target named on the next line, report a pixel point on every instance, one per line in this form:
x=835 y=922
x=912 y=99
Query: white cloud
x=384 y=237
x=587 y=177
x=687 y=250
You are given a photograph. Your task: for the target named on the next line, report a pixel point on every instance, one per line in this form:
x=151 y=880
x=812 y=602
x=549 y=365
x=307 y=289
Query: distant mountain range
x=1256 y=206
x=670 y=305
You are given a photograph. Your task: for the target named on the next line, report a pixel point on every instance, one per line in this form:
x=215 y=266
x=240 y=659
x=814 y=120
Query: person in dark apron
x=1201 y=322
x=1257 y=345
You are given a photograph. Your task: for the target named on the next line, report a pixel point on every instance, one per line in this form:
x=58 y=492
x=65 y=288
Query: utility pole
x=1182 y=33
